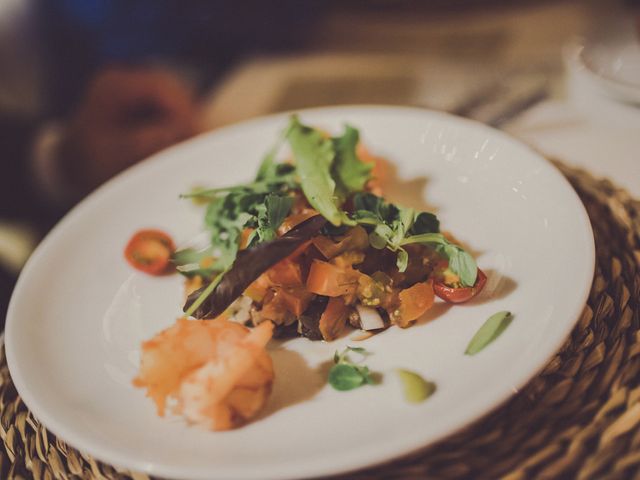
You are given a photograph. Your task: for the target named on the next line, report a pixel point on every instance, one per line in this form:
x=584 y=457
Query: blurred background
x=90 y=87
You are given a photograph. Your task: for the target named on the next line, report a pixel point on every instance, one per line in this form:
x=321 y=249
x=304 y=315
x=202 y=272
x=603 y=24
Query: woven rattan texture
x=579 y=418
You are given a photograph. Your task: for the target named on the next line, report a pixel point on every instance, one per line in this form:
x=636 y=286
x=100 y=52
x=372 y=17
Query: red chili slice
x=459 y=295
x=150 y=251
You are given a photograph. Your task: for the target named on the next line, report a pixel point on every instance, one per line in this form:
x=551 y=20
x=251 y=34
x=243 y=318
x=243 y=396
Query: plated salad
x=309 y=248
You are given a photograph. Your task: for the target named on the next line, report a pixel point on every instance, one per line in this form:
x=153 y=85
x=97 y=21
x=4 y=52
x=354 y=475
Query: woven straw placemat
x=579 y=418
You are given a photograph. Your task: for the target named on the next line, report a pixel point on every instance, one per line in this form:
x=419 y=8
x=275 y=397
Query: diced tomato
x=286 y=273
x=150 y=251
x=331 y=281
x=295 y=300
x=414 y=301
x=282 y=303
x=333 y=319
x=462 y=294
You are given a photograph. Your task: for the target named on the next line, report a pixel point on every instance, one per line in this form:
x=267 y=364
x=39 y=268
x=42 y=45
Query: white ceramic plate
x=79 y=312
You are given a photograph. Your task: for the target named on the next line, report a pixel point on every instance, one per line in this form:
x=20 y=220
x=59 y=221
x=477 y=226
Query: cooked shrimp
x=217 y=371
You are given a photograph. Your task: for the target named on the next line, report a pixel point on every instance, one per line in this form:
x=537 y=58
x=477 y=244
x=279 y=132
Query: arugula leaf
x=313 y=156
x=232 y=209
x=225 y=218
x=346 y=375
x=489 y=331
x=350 y=173
x=270 y=216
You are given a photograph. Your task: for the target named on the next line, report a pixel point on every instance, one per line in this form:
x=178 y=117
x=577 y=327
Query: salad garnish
x=365 y=251
x=308 y=248
x=347 y=375
x=489 y=331
x=248 y=266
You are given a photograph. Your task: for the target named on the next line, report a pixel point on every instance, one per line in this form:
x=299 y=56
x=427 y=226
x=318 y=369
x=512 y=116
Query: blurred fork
x=487 y=105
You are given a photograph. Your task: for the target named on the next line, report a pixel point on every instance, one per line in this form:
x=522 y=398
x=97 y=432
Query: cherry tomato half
x=150 y=251
x=459 y=295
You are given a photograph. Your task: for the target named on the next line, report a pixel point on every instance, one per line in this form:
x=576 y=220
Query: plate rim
x=165 y=469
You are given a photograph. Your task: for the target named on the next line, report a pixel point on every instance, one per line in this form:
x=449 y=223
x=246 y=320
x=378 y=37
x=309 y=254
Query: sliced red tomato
x=462 y=294
x=150 y=251
x=331 y=281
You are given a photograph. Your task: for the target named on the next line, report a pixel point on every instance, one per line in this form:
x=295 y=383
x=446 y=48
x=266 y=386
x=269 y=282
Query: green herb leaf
x=460 y=262
x=187 y=262
x=187 y=256
x=416 y=388
x=489 y=331
x=313 y=156
x=350 y=173
x=270 y=216
x=346 y=375
x=380 y=236
x=391 y=224
x=361 y=350
x=402 y=260
x=464 y=266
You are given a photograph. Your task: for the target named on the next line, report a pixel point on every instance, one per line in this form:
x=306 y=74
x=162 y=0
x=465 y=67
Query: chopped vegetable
x=489 y=331
x=249 y=265
x=459 y=294
x=391 y=224
x=460 y=262
x=370 y=319
x=308 y=248
x=416 y=388
x=414 y=302
x=150 y=251
x=330 y=280
x=334 y=319
x=346 y=375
